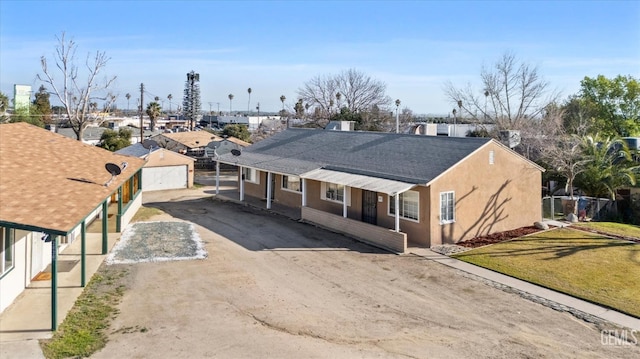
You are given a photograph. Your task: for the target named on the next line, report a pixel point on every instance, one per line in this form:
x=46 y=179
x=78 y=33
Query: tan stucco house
x=393 y=190
x=51 y=188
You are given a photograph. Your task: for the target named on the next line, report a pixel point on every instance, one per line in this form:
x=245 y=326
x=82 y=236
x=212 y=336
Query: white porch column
x=304 y=192
x=241 y=184
x=268 y=190
x=396 y=199
x=344 y=202
x=217 y=177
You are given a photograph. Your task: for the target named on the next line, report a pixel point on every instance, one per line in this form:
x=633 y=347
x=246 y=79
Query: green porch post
x=105 y=228
x=83 y=254
x=54 y=281
x=132 y=190
x=119 y=216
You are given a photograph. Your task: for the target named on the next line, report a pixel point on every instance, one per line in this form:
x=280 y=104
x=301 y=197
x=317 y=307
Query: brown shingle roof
x=53 y=182
x=192 y=139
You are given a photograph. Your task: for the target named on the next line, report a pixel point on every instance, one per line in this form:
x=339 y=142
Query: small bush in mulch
x=498 y=237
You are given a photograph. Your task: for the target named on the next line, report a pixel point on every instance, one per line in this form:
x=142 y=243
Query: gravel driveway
x=275 y=288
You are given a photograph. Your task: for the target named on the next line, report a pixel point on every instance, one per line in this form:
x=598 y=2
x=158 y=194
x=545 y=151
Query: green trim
x=119 y=215
x=105 y=227
x=54 y=283
x=31 y=228
x=83 y=253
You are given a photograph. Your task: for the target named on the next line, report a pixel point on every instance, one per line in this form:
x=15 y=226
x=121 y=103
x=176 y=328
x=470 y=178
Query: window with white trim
x=250 y=175
x=333 y=192
x=409 y=205
x=447 y=207
x=7 y=242
x=292 y=183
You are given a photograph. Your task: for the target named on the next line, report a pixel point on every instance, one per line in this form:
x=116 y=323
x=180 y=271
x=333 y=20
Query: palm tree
x=249 y=103
x=338 y=97
x=608 y=166
x=169 y=98
x=153 y=111
x=128 y=96
x=230 y=99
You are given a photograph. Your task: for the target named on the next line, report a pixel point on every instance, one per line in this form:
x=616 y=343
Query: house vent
x=491 y=157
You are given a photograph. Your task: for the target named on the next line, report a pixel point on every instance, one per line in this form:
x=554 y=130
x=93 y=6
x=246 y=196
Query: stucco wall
x=131 y=211
x=488 y=198
x=417 y=231
x=14 y=281
x=286 y=197
x=256 y=189
x=368 y=233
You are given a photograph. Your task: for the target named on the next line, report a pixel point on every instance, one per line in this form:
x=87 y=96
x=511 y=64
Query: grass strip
x=83 y=331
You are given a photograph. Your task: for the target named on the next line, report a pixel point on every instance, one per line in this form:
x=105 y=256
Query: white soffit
x=368 y=183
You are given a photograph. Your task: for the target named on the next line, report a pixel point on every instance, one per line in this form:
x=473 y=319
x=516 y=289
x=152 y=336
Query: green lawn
x=585 y=265
x=616 y=229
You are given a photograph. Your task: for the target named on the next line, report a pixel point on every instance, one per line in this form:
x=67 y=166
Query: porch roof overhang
x=368 y=183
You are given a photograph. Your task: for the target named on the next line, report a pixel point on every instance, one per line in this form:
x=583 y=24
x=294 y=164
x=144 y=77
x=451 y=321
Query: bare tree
x=354 y=90
x=512 y=94
x=560 y=150
x=75 y=93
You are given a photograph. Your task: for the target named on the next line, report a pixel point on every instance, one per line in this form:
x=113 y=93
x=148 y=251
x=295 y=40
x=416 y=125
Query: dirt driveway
x=275 y=288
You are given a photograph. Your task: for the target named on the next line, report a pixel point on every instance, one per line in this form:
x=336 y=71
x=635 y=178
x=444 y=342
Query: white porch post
x=304 y=192
x=268 y=190
x=241 y=184
x=396 y=199
x=344 y=202
x=217 y=177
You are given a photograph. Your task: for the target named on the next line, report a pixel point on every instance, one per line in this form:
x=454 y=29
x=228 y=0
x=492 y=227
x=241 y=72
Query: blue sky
x=274 y=47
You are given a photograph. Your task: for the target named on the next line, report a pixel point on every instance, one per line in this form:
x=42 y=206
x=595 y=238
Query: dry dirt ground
x=275 y=288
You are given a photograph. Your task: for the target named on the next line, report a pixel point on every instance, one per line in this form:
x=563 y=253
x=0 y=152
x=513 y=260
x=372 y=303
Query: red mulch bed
x=498 y=237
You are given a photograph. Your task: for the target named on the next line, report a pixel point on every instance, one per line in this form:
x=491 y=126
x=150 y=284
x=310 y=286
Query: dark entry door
x=369 y=207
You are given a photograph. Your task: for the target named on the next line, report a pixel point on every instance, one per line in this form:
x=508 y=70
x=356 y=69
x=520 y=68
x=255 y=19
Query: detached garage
x=164 y=169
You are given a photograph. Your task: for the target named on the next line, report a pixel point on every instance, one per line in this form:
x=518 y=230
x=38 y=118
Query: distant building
x=21 y=97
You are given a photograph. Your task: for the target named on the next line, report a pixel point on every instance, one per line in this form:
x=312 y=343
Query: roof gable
x=51 y=181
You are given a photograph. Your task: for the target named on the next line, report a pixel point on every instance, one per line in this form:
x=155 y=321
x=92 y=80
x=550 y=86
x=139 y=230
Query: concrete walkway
x=28 y=318
x=545 y=296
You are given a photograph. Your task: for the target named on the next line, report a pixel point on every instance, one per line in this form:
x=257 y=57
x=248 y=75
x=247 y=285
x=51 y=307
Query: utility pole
x=210 y=114
x=141 y=112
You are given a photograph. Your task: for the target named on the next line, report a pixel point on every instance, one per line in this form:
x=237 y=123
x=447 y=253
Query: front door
x=369 y=207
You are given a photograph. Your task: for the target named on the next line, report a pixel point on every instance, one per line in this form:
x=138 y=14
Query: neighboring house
x=191 y=143
x=164 y=169
x=91 y=134
x=50 y=191
x=393 y=190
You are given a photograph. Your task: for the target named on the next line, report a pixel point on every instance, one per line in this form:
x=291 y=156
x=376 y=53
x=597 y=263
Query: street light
x=397 y=116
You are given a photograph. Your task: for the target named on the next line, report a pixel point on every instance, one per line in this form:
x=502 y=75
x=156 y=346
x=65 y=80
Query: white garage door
x=158 y=178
